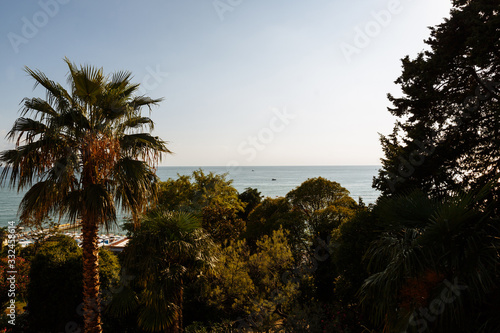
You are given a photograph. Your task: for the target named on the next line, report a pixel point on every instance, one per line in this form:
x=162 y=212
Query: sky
x=282 y=82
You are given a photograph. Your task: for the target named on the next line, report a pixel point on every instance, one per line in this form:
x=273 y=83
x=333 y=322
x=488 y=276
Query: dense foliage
x=22 y=267
x=167 y=252
x=81 y=154
x=193 y=193
x=447 y=135
x=434 y=264
x=49 y=284
x=424 y=258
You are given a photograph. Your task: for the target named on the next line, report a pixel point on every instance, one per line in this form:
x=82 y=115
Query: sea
x=270 y=181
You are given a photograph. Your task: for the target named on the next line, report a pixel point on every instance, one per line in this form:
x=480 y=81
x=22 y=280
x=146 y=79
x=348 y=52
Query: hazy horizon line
x=284 y=165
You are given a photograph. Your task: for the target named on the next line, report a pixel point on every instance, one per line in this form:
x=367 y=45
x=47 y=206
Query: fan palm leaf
x=434 y=245
x=168 y=249
x=75 y=153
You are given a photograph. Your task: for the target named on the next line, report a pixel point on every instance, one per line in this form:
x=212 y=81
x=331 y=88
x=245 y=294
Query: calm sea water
x=357 y=179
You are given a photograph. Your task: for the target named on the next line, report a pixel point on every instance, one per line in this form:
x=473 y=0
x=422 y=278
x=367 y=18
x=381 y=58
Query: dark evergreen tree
x=251 y=197
x=447 y=135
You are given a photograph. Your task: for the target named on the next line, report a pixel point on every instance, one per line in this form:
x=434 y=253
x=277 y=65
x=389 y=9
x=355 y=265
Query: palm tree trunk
x=91 y=302
x=181 y=292
x=177 y=324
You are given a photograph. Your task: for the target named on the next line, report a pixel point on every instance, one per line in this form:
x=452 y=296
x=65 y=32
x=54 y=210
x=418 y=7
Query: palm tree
x=167 y=250
x=82 y=155
x=436 y=267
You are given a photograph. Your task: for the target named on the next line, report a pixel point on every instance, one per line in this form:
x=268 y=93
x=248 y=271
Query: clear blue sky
x=281 y=82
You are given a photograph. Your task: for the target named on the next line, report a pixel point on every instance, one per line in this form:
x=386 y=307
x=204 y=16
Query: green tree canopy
x=324 y=204
x=82 y=153
x=251 y=197
x=55 y=278
x=271 y=215
x=251 y=285
x=447 y=134
x=166 y=252
x=210 y=197
x=435 y=259
x=193 y=193
x=22 y=267
x=4 y=232
x=349 y=243
x=223 y=224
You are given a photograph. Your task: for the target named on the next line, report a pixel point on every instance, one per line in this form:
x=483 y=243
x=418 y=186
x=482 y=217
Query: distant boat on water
x=357 y=179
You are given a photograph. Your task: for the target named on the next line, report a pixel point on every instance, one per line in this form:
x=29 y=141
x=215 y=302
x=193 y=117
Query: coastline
x=357 y=179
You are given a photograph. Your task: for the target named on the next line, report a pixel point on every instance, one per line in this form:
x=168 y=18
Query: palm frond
x=69 y=146
x=176 y=249
x=131 y=89
x=27 y=162
x=87 y=82
x=123 y=302
x=140 y=101
x=72 y=205
x=41 y=200
x=454 y=239
x=143 y=145
x=158 y=313
x=74 y=120
x=56 y=94
x=136 y=184
x=120 y=80
x=98 y=205
x=40 y=106
x=138 y=122
x=27 y=127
